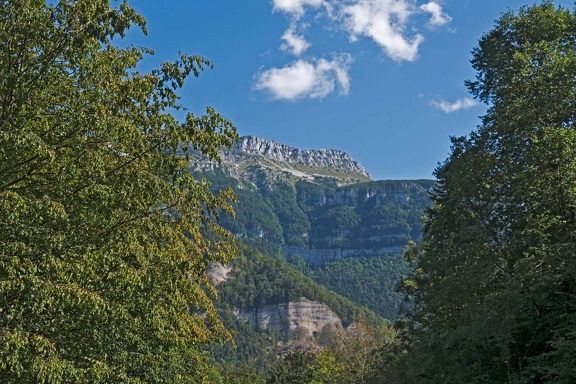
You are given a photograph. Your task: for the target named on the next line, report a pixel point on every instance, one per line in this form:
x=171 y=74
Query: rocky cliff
x=318 y=158
x=217 y=273
x=306 y=316
x=318 y=257
x=259 y=162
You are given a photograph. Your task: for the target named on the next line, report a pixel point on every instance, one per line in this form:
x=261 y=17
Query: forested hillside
x=348 y=238
x=138 y=248
x=322 y=250
x=258 y=282
x=366 y=218
x=368 y=281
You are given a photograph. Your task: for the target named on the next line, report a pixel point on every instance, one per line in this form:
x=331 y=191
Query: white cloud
x=296 y=7
x=303 y=79
x=384 y=21
x=295 y=44
x=459 y=104
x=438 y=17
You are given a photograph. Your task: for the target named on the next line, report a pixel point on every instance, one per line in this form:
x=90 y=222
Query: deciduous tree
x=104 y=235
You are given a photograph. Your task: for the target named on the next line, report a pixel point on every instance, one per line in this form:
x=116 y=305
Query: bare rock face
x=217 y=273
x=258 y=162
x=304 y=315
x=321 y=158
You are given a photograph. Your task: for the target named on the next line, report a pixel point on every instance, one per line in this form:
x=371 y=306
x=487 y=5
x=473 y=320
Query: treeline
x=368 y=354
x=102 y=246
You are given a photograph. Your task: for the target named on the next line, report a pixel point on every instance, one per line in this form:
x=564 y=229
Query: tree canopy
x=494 y=283
x=104 y=235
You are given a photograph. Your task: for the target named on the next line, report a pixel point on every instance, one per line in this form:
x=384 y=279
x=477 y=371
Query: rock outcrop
x=318 y=158
x=258 y=162
x=303 y=315
x=218 y=273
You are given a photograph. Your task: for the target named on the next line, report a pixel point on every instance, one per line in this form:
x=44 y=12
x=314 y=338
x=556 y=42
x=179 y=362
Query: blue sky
x=380 y=79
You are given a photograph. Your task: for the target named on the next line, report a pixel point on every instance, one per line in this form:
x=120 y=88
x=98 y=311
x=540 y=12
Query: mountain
x=320 y=242
x=321 y=219
x=332 y=159
x=253 y=159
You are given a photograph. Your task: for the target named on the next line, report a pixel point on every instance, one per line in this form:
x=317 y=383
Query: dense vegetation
x=368 y=281
x=258 y=280
x=259 y=348
x=320 y=215
x=367 y=355
x=370 y=215
x=106 y=235
x=373 y=219
x=494 y=284
x=102 y=252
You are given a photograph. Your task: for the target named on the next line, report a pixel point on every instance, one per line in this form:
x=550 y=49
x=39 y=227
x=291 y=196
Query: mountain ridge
x=317 y=158
x=259 y=162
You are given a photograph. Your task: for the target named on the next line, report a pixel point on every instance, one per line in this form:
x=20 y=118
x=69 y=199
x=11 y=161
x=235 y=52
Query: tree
x=105 y=236
x=297 y=367
x=306 y=367
x=368 y=352
x=244 y=374
x=493 y=288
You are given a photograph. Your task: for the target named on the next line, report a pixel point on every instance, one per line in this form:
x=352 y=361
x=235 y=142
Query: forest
x=107 y=236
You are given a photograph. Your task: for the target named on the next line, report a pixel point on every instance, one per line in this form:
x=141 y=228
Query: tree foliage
x=257 y=281
x=494 y=282
x=367 y=281
x=104 y=235
x=363 y=354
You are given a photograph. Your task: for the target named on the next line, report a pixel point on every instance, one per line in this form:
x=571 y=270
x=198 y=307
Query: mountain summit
x=316 y=158
x=259 y=161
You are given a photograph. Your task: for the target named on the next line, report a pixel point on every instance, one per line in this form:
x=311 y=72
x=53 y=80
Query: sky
x=382 y=80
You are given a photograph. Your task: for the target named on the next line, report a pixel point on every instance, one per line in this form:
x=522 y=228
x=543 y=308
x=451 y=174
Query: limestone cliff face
x=259 y=163
x=303 y=314
x=318 y=158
